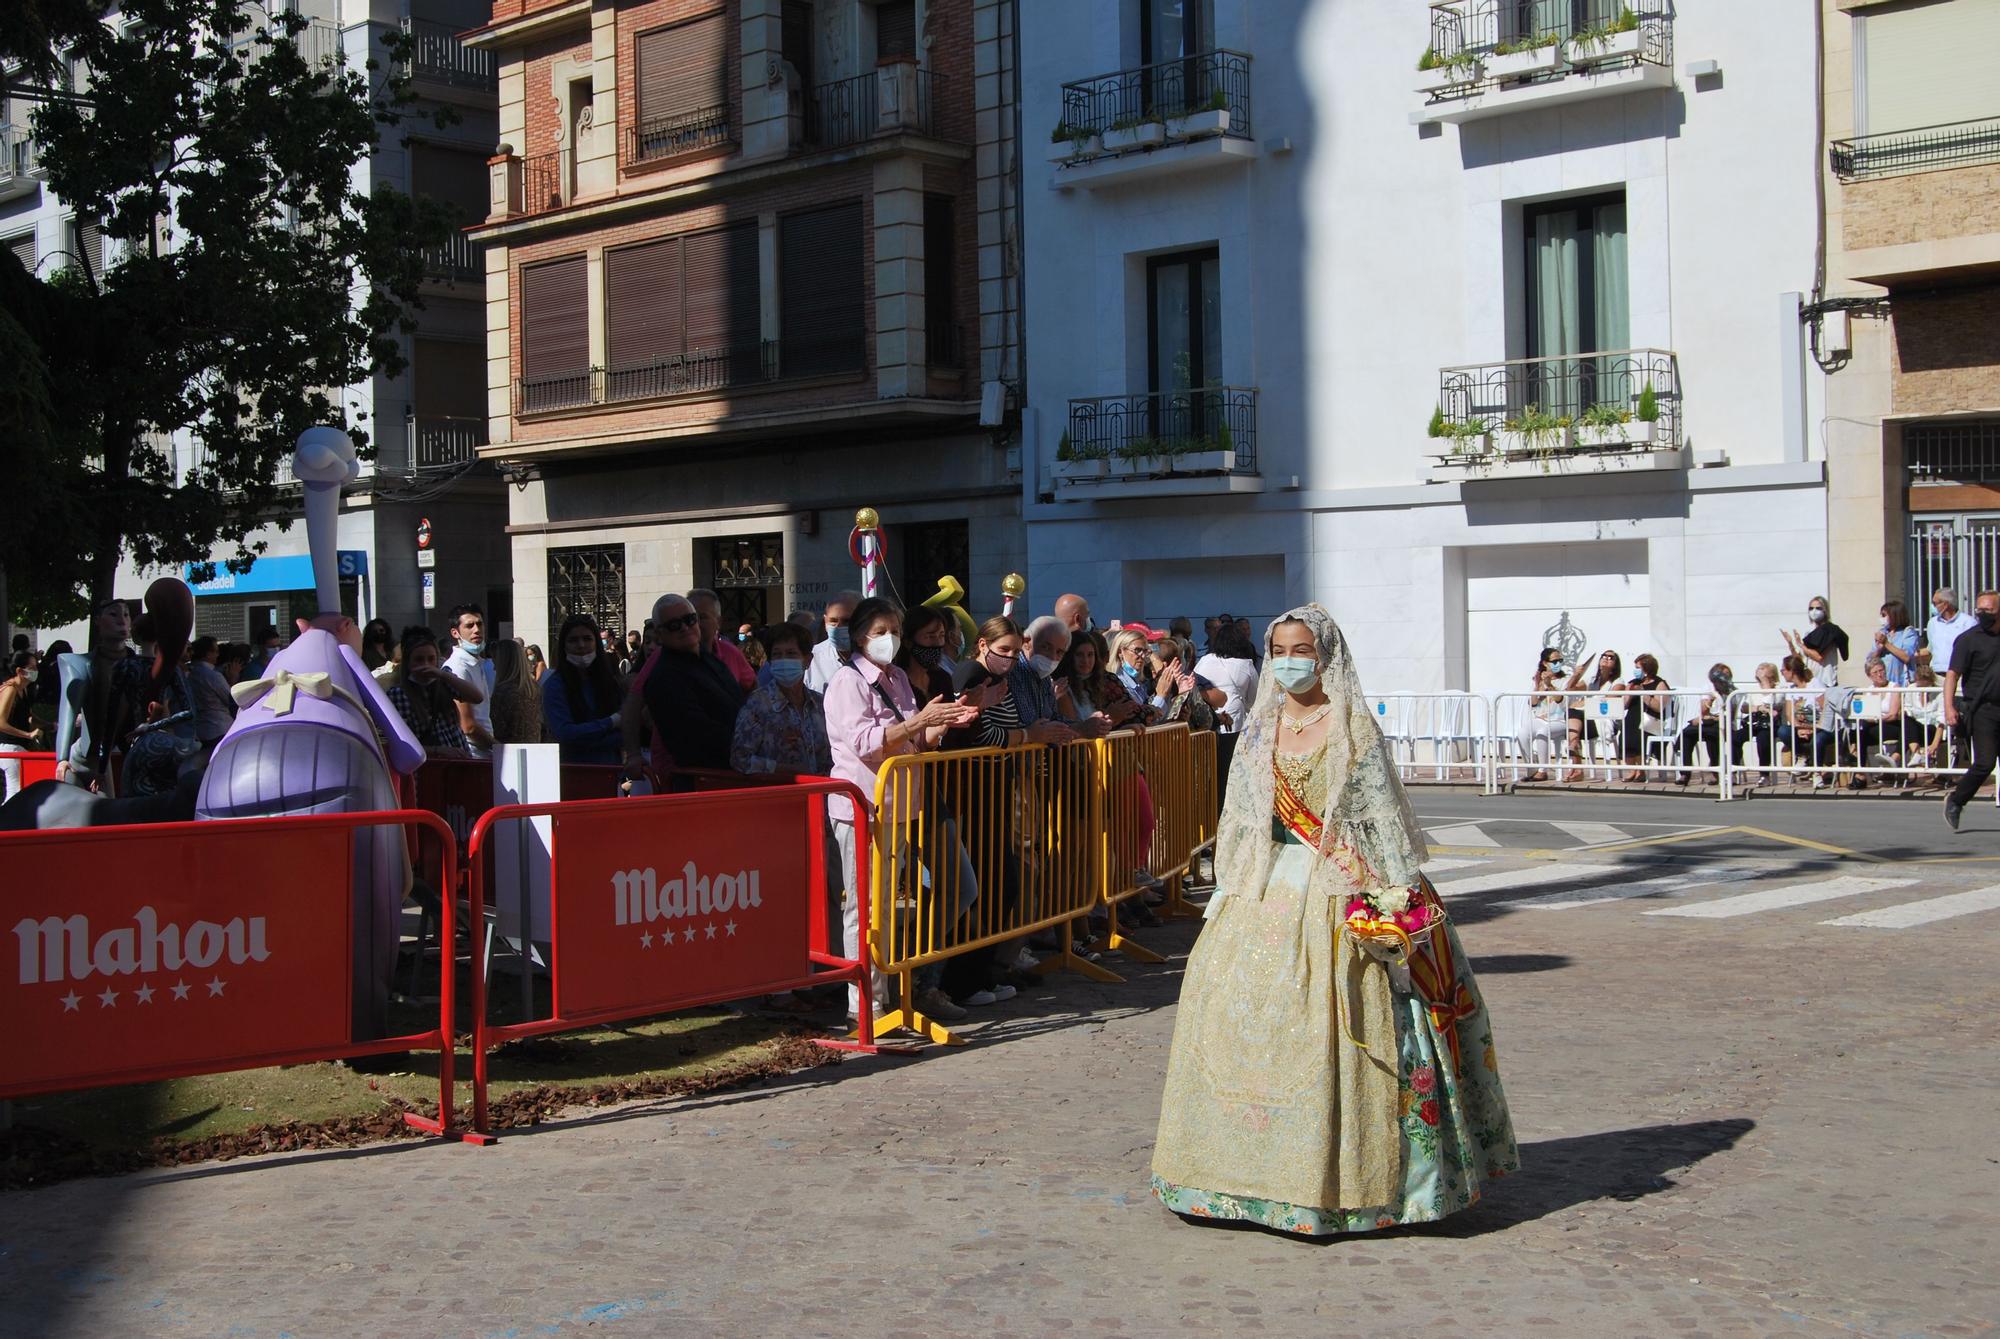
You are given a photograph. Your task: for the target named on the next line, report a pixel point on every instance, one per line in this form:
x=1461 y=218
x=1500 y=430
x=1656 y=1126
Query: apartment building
x=1909 y=331
x=425 y=424
x=1478 y=321
x=751 y=266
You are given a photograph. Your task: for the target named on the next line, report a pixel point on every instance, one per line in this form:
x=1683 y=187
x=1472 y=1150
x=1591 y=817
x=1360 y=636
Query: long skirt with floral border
x=1250 y=1122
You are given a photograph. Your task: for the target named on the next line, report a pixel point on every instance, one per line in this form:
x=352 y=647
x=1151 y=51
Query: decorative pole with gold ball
x=1013 y=586
x=865 y=545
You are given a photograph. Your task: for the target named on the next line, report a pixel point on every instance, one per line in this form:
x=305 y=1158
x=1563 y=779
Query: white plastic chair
x=1454 y=733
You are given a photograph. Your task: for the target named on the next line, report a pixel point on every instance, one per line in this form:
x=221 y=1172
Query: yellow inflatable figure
x=950 y=597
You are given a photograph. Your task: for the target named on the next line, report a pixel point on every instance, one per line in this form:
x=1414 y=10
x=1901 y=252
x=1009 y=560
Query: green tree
x=250 y=282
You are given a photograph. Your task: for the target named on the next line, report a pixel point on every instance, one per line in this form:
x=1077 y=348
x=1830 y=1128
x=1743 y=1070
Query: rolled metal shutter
x=555 y=335
x=642 y=305
x=895 y=28
x=724 y=302
x=1929 y=65
x=682 y=71
x=820 y=291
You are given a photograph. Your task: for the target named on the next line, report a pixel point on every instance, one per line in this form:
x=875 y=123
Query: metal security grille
x=1966 y=451
x=587 y=581
x=1959 y=553
x=748 y=575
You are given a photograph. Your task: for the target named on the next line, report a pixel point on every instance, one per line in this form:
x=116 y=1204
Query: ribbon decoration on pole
x=1012 y=587
x=867 y=547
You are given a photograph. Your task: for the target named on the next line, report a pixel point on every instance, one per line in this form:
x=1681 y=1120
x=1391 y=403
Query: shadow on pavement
x=1558 y=1174
x=1494 y=964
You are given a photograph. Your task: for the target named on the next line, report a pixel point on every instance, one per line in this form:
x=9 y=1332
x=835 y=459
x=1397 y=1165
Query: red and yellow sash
x=1300 y=820
x=1434 y=972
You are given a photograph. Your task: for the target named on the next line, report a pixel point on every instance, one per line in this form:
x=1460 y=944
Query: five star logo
x=646 y=940
x=71 y=1002
x=107 y=998
x=143 y=994
x=215 y=985
x=729 y=926
x=688 y=934
x=710 y=929
x=181 y=989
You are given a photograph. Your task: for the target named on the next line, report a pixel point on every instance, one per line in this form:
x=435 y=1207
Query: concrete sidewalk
x=1727 y=1129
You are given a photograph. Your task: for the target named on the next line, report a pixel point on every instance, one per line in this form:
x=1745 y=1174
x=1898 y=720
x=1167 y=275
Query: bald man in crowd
x=1074 y=612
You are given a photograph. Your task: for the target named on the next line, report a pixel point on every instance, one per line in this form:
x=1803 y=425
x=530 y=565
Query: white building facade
x=1456 y=351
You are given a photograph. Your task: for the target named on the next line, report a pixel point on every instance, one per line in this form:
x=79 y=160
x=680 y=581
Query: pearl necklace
x=1302 y=724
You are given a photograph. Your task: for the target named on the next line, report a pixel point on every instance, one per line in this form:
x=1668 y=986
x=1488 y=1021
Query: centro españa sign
x=686 y=904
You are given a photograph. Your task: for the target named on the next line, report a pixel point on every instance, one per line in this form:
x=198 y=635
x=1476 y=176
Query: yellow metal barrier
x=1205 y=814
x=977 y=849
x=981 y=848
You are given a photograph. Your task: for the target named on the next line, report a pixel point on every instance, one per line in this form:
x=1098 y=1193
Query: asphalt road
x=1751 y=1052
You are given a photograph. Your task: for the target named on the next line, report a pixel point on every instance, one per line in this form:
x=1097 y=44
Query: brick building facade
x=752 y=265
x=1909 y=331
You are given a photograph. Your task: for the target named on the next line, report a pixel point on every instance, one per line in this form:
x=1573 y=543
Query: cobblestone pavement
x=1772 y=1119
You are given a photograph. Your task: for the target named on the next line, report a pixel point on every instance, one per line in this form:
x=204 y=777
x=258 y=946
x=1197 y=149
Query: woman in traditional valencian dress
x=1333 y=1066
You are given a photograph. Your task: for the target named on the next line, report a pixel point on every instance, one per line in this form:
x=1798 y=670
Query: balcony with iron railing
x=441 y=442
x=438 y=60
x=697 y=372
x=457 y=260
x=1588 y=413
x=669 y=137
x=899 y=98
x=544 y=182
x=1927 y=149
x=1173 y=116
x=1155 y=442
x=20 y=162
x=1491 y=57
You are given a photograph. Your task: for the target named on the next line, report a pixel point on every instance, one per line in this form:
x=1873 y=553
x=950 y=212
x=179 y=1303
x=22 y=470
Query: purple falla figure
x=315 y=735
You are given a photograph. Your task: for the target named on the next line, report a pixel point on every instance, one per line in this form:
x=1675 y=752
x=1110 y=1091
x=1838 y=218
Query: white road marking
x=1440 y=865
x=1923 y=913
x=1460 y=834
x=1773 y=899
x=1520 y=878
x=1669 y=884
x=1590 y=834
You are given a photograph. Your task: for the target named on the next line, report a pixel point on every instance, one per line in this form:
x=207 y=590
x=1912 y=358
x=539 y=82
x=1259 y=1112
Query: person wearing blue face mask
x=781 y=730
x=468 y=662
x=831 y=653
x=1325 y=957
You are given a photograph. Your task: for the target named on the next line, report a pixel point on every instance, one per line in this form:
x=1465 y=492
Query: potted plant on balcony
x=1068 y=142
x=1462 y=442
x=1211 y=118
x=1206 y=455
x=1524 y=57
x=1536 y=433
x=1073 y=462
x=1647 y=429
x=1617 y=39
x=1437 y=72
x=1604 y=425
x=1134 y=131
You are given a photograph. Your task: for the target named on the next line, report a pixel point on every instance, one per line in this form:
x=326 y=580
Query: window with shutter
x=642 y=314
x=941 y=336
x=820 y=292
x=1926 y=65
x=896 y=29
x=682 y=77
x=23 y=248
x=555 y=335
x=86 y=244
x=724 y=301
x=683 y=314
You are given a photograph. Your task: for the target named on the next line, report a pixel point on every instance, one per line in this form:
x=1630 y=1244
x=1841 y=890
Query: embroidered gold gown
x=1314 y=1087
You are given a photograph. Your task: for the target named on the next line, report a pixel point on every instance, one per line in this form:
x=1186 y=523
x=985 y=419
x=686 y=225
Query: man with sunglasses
x=1974 y=681
x=690 y=696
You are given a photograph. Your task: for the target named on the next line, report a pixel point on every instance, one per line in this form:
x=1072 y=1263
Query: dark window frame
x=1585 y=208
x=1197 y=359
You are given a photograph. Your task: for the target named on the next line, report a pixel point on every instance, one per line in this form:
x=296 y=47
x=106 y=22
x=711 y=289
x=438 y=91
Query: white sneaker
x=979 y=999
x=1025 y=961
x=1003 y=991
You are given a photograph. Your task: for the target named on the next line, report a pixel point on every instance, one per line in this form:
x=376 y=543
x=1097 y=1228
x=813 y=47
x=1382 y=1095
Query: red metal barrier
x=34 y=767
x=209 y=947
x=667 y=902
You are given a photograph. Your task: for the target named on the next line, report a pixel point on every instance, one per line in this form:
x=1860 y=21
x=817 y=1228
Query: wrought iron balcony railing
x=1960 y=144
x=1474 y=43
x=1166 y=431
x=438 y=57
x=458 y=260
x=891 y=100
x=1610 y=400
x=542 y=183
x=944 y=348
x=671 y=136
x=1167 y=92
x=692 y=373
x=444 y=442
x=1957 y=451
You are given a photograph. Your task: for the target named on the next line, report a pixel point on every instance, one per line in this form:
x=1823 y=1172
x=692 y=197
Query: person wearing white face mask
x=826 y=657
x=1824 y=647
x=871 y=716
x=18 y=731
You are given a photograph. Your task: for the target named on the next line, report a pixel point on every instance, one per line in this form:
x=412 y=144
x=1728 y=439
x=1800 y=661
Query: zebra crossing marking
x=1502 y=880
x=1773 y=899
x=1658 y=885
x=1911 y=914
x=1460 y=834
